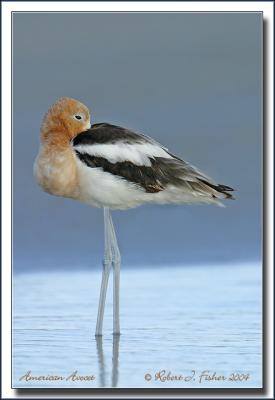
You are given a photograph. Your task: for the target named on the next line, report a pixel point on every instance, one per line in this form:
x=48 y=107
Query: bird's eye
x=77 y=116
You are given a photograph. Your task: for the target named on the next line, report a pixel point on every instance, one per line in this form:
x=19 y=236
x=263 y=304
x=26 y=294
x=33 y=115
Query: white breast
x=102 y=189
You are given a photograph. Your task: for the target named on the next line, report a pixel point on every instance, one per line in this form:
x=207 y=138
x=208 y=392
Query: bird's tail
x=220 y=189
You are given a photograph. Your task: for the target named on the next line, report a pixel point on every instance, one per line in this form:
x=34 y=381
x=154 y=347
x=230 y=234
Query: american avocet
x=107 y=166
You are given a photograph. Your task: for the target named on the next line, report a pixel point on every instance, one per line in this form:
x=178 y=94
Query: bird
x=111 y=167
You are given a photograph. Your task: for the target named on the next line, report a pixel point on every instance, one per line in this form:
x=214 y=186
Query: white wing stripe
x=137 y=153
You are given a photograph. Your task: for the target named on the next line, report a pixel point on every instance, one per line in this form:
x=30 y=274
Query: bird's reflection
x=101 y=361
x=115 y=355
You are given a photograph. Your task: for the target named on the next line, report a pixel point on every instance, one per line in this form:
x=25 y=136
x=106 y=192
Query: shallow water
x=176 y=322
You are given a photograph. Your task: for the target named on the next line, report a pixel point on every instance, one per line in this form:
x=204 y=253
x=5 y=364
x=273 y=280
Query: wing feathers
x=137 y=153
x=142 y=161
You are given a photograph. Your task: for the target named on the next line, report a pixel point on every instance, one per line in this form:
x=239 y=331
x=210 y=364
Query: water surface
x=181 y=325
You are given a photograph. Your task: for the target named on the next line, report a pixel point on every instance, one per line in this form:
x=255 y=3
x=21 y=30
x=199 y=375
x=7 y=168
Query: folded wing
x=142 y=161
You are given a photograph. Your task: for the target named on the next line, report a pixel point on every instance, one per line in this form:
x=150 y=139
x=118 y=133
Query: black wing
x=154 y=178
x=105 y=133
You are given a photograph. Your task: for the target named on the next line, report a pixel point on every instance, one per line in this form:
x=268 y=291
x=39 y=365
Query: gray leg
x=107 y=264
x=116 y=258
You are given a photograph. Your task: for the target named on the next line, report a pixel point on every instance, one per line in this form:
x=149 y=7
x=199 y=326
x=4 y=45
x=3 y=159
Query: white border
x=265 y=6
x=7 y=8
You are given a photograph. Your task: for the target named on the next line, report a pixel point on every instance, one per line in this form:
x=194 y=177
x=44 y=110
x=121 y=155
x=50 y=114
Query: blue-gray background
x=191 y=81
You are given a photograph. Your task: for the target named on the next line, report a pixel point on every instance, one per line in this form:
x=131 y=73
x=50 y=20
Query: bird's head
x=64 y=120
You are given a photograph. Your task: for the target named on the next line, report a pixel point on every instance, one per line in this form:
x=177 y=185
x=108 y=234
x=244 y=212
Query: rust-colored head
x=64 y=120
